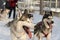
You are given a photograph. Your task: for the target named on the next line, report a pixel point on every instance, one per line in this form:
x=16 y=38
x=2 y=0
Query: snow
x=5 y=31
x=52 y=9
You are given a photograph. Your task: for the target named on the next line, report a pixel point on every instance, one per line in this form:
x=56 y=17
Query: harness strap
x=45 y=35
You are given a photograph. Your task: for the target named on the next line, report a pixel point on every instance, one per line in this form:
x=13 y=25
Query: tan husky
x=4 y=14
x=17 y=27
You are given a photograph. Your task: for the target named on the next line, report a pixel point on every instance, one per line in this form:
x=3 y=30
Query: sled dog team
x=21 y=25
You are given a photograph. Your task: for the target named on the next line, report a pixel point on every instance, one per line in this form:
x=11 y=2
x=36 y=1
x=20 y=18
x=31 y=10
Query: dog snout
x=52 y=22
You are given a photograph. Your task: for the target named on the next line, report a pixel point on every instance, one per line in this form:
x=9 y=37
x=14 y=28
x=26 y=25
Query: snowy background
x=5 y=31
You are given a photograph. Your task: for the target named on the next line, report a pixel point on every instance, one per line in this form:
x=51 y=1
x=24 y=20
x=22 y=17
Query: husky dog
x=44 y=28
x=20 y=28
x=4 y=14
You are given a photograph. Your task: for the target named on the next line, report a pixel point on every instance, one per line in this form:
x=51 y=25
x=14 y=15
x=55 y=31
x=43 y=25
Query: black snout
x=52 y=22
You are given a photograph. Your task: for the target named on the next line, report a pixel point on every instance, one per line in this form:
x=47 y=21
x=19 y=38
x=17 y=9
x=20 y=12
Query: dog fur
x=4 y=14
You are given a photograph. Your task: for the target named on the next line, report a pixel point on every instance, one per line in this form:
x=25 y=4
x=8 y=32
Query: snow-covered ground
x=5 y=31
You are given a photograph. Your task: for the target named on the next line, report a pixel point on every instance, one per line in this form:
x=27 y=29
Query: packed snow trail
x=5 y=31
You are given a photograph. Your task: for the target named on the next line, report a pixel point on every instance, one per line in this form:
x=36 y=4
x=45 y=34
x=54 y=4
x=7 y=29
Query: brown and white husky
x=44 y=28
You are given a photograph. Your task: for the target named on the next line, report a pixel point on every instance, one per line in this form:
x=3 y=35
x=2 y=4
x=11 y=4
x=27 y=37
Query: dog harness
x=45 y=35
x=50 y=27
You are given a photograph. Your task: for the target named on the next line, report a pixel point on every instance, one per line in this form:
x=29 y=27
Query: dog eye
x=50 y=18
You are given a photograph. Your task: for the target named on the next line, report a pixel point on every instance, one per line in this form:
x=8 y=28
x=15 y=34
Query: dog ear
x=45 y=16
x=51 y=13
x=30 y=15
